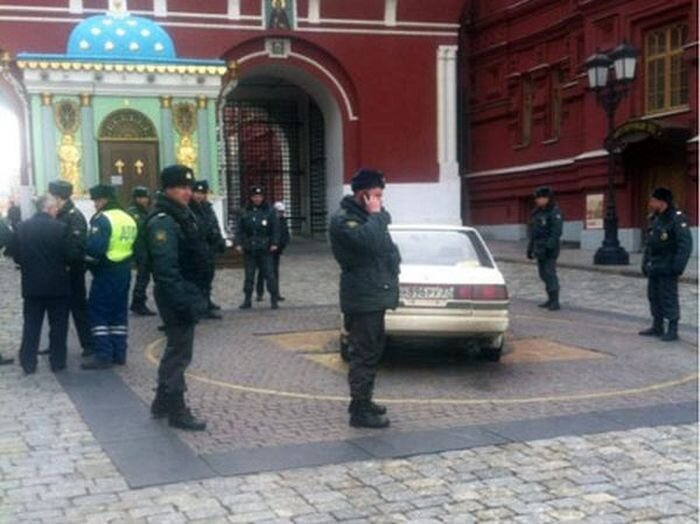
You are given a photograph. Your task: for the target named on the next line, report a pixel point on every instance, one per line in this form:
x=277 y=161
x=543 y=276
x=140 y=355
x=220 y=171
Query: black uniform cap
x=367 y=179
x=176 y=176
x=140 y=192
x=201 y=186
x=102 y=191
x=544 y=192
x=663 y=194
x=256 y=190
x=61 y=189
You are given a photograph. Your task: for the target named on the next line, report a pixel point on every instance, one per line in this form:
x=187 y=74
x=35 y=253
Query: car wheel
x=344 y=348
x=492 y=352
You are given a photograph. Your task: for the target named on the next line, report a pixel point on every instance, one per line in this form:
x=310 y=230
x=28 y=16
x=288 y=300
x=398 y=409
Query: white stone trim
x=160 y=8
x=314 y=12
x=447 y=110
x=561 y=162
x=234 y=9
x=390 y=10
x=75 y=7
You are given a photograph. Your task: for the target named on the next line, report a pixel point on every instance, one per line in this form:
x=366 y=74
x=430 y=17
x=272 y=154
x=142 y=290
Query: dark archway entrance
x=276 y=138
x=128 y=149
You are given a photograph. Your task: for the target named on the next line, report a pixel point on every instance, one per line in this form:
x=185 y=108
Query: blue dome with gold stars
x=120 y=37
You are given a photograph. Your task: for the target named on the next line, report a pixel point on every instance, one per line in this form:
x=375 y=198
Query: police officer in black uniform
x=77 y=234
x=178 y=256
x=139 y=209
x=545 y=230
x=257 y=238
x=285 y=237
x=369 y=285
x=668 y=248
x=209 y=226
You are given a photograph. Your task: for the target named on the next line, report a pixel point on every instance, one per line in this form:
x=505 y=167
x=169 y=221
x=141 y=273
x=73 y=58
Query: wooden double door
x=127 y=164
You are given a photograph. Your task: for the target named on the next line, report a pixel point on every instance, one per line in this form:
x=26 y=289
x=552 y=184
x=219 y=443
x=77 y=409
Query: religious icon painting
x=279 y=14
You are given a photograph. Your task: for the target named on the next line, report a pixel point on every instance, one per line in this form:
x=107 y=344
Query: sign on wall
x=595 y=211
x=279 y=14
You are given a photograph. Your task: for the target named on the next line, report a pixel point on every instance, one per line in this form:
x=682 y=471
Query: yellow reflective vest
x=124 y=231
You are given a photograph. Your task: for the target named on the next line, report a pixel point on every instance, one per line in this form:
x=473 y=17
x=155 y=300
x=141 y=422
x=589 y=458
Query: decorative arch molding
x=306 y=56
x=127 y=125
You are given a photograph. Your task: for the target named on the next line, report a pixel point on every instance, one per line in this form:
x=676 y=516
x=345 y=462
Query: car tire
x=344 y=348
x=492 y=353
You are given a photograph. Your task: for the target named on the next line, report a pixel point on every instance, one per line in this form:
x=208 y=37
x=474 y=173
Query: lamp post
x=610 y=90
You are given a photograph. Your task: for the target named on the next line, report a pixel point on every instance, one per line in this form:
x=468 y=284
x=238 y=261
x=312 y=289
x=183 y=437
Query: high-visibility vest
x=124 y=231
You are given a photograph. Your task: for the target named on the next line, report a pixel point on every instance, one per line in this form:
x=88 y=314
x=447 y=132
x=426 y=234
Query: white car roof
x=429 y=227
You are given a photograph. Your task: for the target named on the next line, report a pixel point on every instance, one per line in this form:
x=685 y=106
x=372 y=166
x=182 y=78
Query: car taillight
x=481 y=292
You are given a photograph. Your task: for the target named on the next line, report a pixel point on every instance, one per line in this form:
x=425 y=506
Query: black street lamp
x=609 y=92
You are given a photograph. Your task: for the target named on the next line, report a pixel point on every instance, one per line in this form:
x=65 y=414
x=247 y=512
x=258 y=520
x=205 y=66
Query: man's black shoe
x=6 y=361
x=180 y=416
x=656 y=330
x=281 y=299
x=214 y=307
x=46 y=351
x=119 y=361
x=213 y=315
x=161 y=328
x=247 y=304
x=87 y=353
x=545 y=305
x=159 y=407
x=364 y=414
x=28 y=371
x=259 y=298
x=554 y=301
x=94 y=363
x=274 y=305
x=57 y=369
x=672 y=334
x=142 y=310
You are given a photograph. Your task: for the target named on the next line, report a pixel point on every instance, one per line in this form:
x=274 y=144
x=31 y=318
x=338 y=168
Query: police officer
x=280 y=209
x=110 y=248
x=209 y=226
x=40 y=248
x=369 y=285
x=545 y=232
x=139 y=210
x=177 y=254
x=258 y=238
x=668 y=248
x=77 y=235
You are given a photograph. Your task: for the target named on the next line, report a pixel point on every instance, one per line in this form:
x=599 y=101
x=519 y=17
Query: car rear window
x=441 y=248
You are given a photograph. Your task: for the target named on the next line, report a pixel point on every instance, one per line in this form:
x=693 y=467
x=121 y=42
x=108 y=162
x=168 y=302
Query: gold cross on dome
x=117 y=7
x=139 y=167
x=119 y=164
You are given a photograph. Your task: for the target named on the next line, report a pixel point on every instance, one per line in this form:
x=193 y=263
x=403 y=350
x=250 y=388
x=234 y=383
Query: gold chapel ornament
x=185 y=122
x=67 y=115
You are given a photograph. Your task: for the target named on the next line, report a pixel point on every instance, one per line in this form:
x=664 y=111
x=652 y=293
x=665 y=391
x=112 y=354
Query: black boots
x=93 y=363
x=180 y=416
x=672 y=333
x=367 y=414
x=159 y=407
x=274 y=303
x=213 y=306
x=656 y=330
x=545 y=305
x=142 y=310
x=247 y=303
x=554 y=301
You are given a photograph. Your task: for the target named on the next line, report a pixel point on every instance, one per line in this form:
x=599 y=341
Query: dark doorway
x=275 y=138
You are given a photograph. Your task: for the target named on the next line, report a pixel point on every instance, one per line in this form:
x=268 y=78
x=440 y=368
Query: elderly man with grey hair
x=40 y=248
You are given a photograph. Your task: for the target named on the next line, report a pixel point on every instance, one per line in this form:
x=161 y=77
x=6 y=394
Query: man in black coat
x=545 y=230
x=211 y=232
x=369 y=285
x=178 y=259
x=77 y=237
x=257 y=238
x=5 y=237
x=139 y=209
x=285 y=237
x=668 y=248
x=40 y=248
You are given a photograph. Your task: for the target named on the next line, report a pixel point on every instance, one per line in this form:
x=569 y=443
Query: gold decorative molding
x=185 y=118
x=166 y=102
x=186 y=152
x=46 y=99
x=172 y=69
x=69 y=158
x=202 y=102
x=85 y=100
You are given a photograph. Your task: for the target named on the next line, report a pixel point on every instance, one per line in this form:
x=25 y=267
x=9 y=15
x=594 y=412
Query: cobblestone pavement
x=53 y=471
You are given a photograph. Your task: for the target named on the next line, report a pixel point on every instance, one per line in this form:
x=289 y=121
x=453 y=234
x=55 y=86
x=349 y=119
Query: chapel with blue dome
x=120 y=104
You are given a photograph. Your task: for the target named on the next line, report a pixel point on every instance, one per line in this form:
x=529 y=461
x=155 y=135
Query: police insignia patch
x=664 y=236
x=352 y=223
x=95 y=229
x=161 y=236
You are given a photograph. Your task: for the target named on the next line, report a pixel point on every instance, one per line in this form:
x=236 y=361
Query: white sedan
x=450 y=287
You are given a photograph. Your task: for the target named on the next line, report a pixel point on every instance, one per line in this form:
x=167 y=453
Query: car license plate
x=426 y=295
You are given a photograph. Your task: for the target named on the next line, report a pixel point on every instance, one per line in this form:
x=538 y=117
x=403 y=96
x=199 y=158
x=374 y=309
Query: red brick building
x=532 y=121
